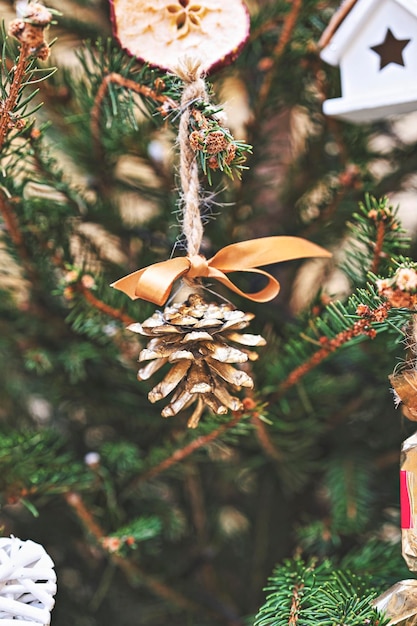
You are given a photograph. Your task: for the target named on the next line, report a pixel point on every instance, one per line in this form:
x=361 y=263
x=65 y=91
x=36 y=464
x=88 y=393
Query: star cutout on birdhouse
x=391 y=50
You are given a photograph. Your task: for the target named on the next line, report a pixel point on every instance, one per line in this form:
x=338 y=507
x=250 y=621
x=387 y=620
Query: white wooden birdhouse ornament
x=374 y=42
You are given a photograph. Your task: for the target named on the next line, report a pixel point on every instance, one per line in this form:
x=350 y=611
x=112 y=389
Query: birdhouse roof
x=345 y=24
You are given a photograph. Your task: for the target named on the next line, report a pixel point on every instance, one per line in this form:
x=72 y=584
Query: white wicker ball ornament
x=27 y=583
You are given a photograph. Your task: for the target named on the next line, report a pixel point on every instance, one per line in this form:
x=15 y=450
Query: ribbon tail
x=265 y=251
x=153 y=283
x=128 y=283
x=264 y=295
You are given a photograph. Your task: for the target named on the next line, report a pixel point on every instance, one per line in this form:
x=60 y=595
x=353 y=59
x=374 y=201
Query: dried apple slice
x=162 y=32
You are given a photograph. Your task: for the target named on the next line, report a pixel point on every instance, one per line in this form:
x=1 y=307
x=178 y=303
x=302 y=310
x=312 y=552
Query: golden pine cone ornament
x=197 y=338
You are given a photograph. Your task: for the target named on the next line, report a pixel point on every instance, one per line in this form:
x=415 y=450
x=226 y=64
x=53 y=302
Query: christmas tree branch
x=15 y=233
x=29 y=31
x=286 y=32
x=8 y=105
x=376 y=240
x=295 y=605
x=360 y=327
x=379 y=244
x=116 y=314
x=12 y=225
x=288 y=28
x=182 y=453
x=131 y=570
x=334 y=126
x=347 y=179
x=127 y=83
x=264 y=439
x=134 y=574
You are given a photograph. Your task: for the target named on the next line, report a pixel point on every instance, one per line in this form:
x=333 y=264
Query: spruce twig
x=295 y=605
x=116 y=314
x=264 y=439
x=13 y=228
x=30 y=32
x=9 y=104
x=360 y=327
x=286 y=32
x=347 y=179
x=376 y=240
x=117 y=79
x=379 y=243
x=131 y=570
x=183 y=453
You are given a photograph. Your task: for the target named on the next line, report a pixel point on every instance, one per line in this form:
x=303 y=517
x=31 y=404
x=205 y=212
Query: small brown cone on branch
x=202 y=342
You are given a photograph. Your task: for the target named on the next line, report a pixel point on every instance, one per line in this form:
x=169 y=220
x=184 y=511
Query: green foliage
x=36 y=464
x=336 y=318
x=312 y=594
x=375 y=219
x=350 y=493
x=26 y=92
x=379 y=560
x=121 y=458
x=141 y=529
x=197 y=521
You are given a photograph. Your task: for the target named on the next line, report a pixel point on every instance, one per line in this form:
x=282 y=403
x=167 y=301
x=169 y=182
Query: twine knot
x=199 y=267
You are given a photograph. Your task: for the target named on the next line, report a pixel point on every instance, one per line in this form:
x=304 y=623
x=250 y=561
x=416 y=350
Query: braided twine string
x=195 y=89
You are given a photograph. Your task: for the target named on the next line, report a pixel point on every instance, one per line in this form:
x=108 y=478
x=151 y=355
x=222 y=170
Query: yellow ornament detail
x=185 y=17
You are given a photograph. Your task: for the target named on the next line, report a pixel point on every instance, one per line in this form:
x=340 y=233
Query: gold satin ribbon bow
x=154 y=283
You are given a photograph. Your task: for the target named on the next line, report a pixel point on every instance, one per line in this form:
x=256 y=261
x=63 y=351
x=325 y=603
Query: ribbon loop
x=154 y=283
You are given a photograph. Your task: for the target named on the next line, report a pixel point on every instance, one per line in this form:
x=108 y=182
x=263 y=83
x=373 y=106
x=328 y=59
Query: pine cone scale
x=170 y=381
x=146 y=372
x=235 y=377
